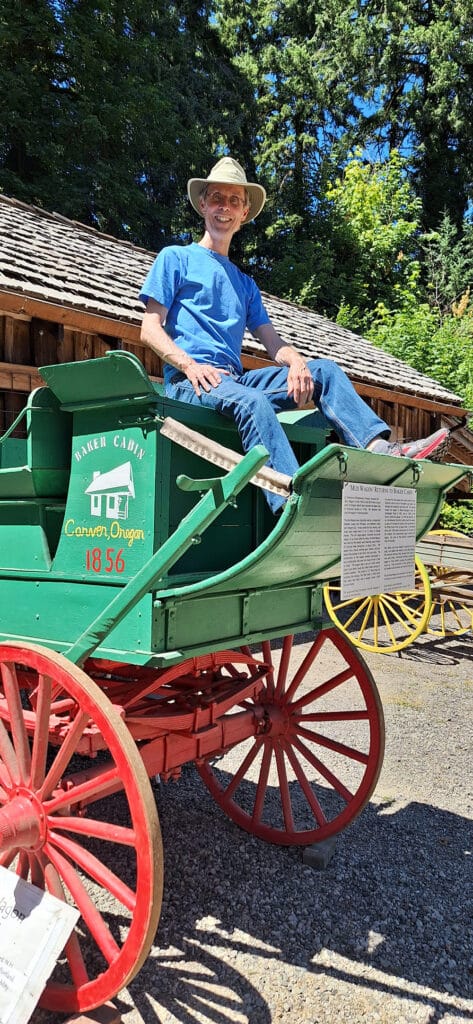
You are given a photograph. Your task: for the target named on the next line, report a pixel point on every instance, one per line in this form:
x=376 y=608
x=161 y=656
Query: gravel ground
x=250 y=935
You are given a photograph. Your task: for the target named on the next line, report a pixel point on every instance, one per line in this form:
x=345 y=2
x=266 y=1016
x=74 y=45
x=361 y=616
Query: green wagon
x=150 y=608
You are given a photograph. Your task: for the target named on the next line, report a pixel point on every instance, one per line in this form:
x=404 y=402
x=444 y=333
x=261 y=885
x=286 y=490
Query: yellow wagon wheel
x=450 y=615
x=382 y=622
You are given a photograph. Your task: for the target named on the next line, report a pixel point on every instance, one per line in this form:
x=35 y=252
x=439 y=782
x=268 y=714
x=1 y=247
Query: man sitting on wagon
x=198 y=304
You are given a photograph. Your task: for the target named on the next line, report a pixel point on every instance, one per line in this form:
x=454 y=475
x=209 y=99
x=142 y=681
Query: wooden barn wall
x=29 y=343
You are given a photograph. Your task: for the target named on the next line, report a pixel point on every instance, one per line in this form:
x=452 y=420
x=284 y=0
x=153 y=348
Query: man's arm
x=300 y=385
x=156 y=338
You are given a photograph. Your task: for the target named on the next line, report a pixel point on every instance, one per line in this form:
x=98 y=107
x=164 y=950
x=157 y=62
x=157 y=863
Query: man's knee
x=325 y=369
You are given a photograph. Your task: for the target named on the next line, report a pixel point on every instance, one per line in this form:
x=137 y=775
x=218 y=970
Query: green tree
x=126 y=100
x=373 y=221
x=413 y=60
x=447 y=263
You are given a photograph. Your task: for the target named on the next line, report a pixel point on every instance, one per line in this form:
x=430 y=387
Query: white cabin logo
x=110 y=492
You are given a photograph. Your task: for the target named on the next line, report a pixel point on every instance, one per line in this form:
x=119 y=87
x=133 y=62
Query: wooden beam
x=16 y=377
x=77 y=319
x=404 y=398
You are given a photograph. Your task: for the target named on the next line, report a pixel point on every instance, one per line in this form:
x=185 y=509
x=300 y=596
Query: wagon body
x=78 y=523
x=128 y=604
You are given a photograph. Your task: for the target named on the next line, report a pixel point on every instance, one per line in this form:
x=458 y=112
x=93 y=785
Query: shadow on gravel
x=440 y=650
x=392 y=911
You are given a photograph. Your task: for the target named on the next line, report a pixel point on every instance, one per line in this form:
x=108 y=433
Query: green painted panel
x=229 y=619
x=109 y=523
x=55 y=614
x=24 y=547
x=118 y=377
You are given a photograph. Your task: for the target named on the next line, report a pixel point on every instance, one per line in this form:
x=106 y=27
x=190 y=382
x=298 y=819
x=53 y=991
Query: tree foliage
x=108 y=107
x=356 y=116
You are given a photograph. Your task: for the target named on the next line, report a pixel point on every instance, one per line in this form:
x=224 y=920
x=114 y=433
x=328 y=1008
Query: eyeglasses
x=218 y=199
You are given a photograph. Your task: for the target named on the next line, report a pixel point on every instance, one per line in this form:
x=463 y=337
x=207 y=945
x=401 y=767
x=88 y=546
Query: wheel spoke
x=387 y=622
x=334 y=716
x=72 y=948
x=305 y=667
x=240 y=774
x=369 y=607
x=325 y=772
x=268 y=660
x=92 y=917
x=41 y=734
x=262 y=783
x=104 y=782
x=320 y=691
x=7 y=857
x=23 y=865
x=17 y=723
x=305 y=785
x=36 y=871
x=95 y=869
x=329 y=744
x=66 y=751
x=8 y=756
x=287 y=648
x=284 y=789
x=95 y=829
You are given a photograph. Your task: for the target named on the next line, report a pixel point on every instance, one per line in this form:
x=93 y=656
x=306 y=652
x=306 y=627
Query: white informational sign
x=35 y=927
x=378 y=539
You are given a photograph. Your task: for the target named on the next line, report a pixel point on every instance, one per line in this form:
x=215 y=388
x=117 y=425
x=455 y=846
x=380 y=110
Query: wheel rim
x=382 y=623
x=315 y=765
x=450 y=616
x=44 y=697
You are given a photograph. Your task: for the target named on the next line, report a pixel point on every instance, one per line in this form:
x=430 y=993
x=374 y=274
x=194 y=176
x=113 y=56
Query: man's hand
x=300 y=385
x=203 y=375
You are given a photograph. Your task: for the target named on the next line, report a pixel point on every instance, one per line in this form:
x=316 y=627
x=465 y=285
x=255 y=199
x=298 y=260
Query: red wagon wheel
x=51 y=715
x=316 y=761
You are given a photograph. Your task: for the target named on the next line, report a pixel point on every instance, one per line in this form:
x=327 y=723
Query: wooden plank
x=403 y=398
x=45 y=342
x=19 y=378
x=66 y=346
x=11 y=302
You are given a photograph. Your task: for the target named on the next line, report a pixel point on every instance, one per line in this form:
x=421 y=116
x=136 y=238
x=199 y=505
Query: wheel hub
x=22 y=822
x=277 y=720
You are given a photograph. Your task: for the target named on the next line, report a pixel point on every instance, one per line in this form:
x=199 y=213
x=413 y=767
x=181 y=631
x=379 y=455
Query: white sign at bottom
x=35 y=927
x=378 y=539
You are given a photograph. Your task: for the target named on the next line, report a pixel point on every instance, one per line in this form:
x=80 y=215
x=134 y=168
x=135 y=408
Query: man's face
x=224 y=208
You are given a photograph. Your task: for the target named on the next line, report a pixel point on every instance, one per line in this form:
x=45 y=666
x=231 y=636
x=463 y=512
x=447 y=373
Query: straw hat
x=228 y=172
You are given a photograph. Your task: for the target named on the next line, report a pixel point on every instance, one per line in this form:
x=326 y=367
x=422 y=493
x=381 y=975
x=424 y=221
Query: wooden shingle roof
x=47 y=257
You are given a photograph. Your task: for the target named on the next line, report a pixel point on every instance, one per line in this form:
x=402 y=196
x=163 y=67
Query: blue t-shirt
x=209 y=300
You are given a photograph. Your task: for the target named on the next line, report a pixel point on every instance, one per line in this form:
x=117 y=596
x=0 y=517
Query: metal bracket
x=342 y=463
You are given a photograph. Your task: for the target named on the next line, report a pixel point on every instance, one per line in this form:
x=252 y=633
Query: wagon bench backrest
x=34 y=476
x=37 y=464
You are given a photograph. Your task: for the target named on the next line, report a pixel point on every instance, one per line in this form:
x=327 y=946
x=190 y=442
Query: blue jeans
x=253 y=399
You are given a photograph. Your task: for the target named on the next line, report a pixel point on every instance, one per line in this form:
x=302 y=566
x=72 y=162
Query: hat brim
x=256 y=193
